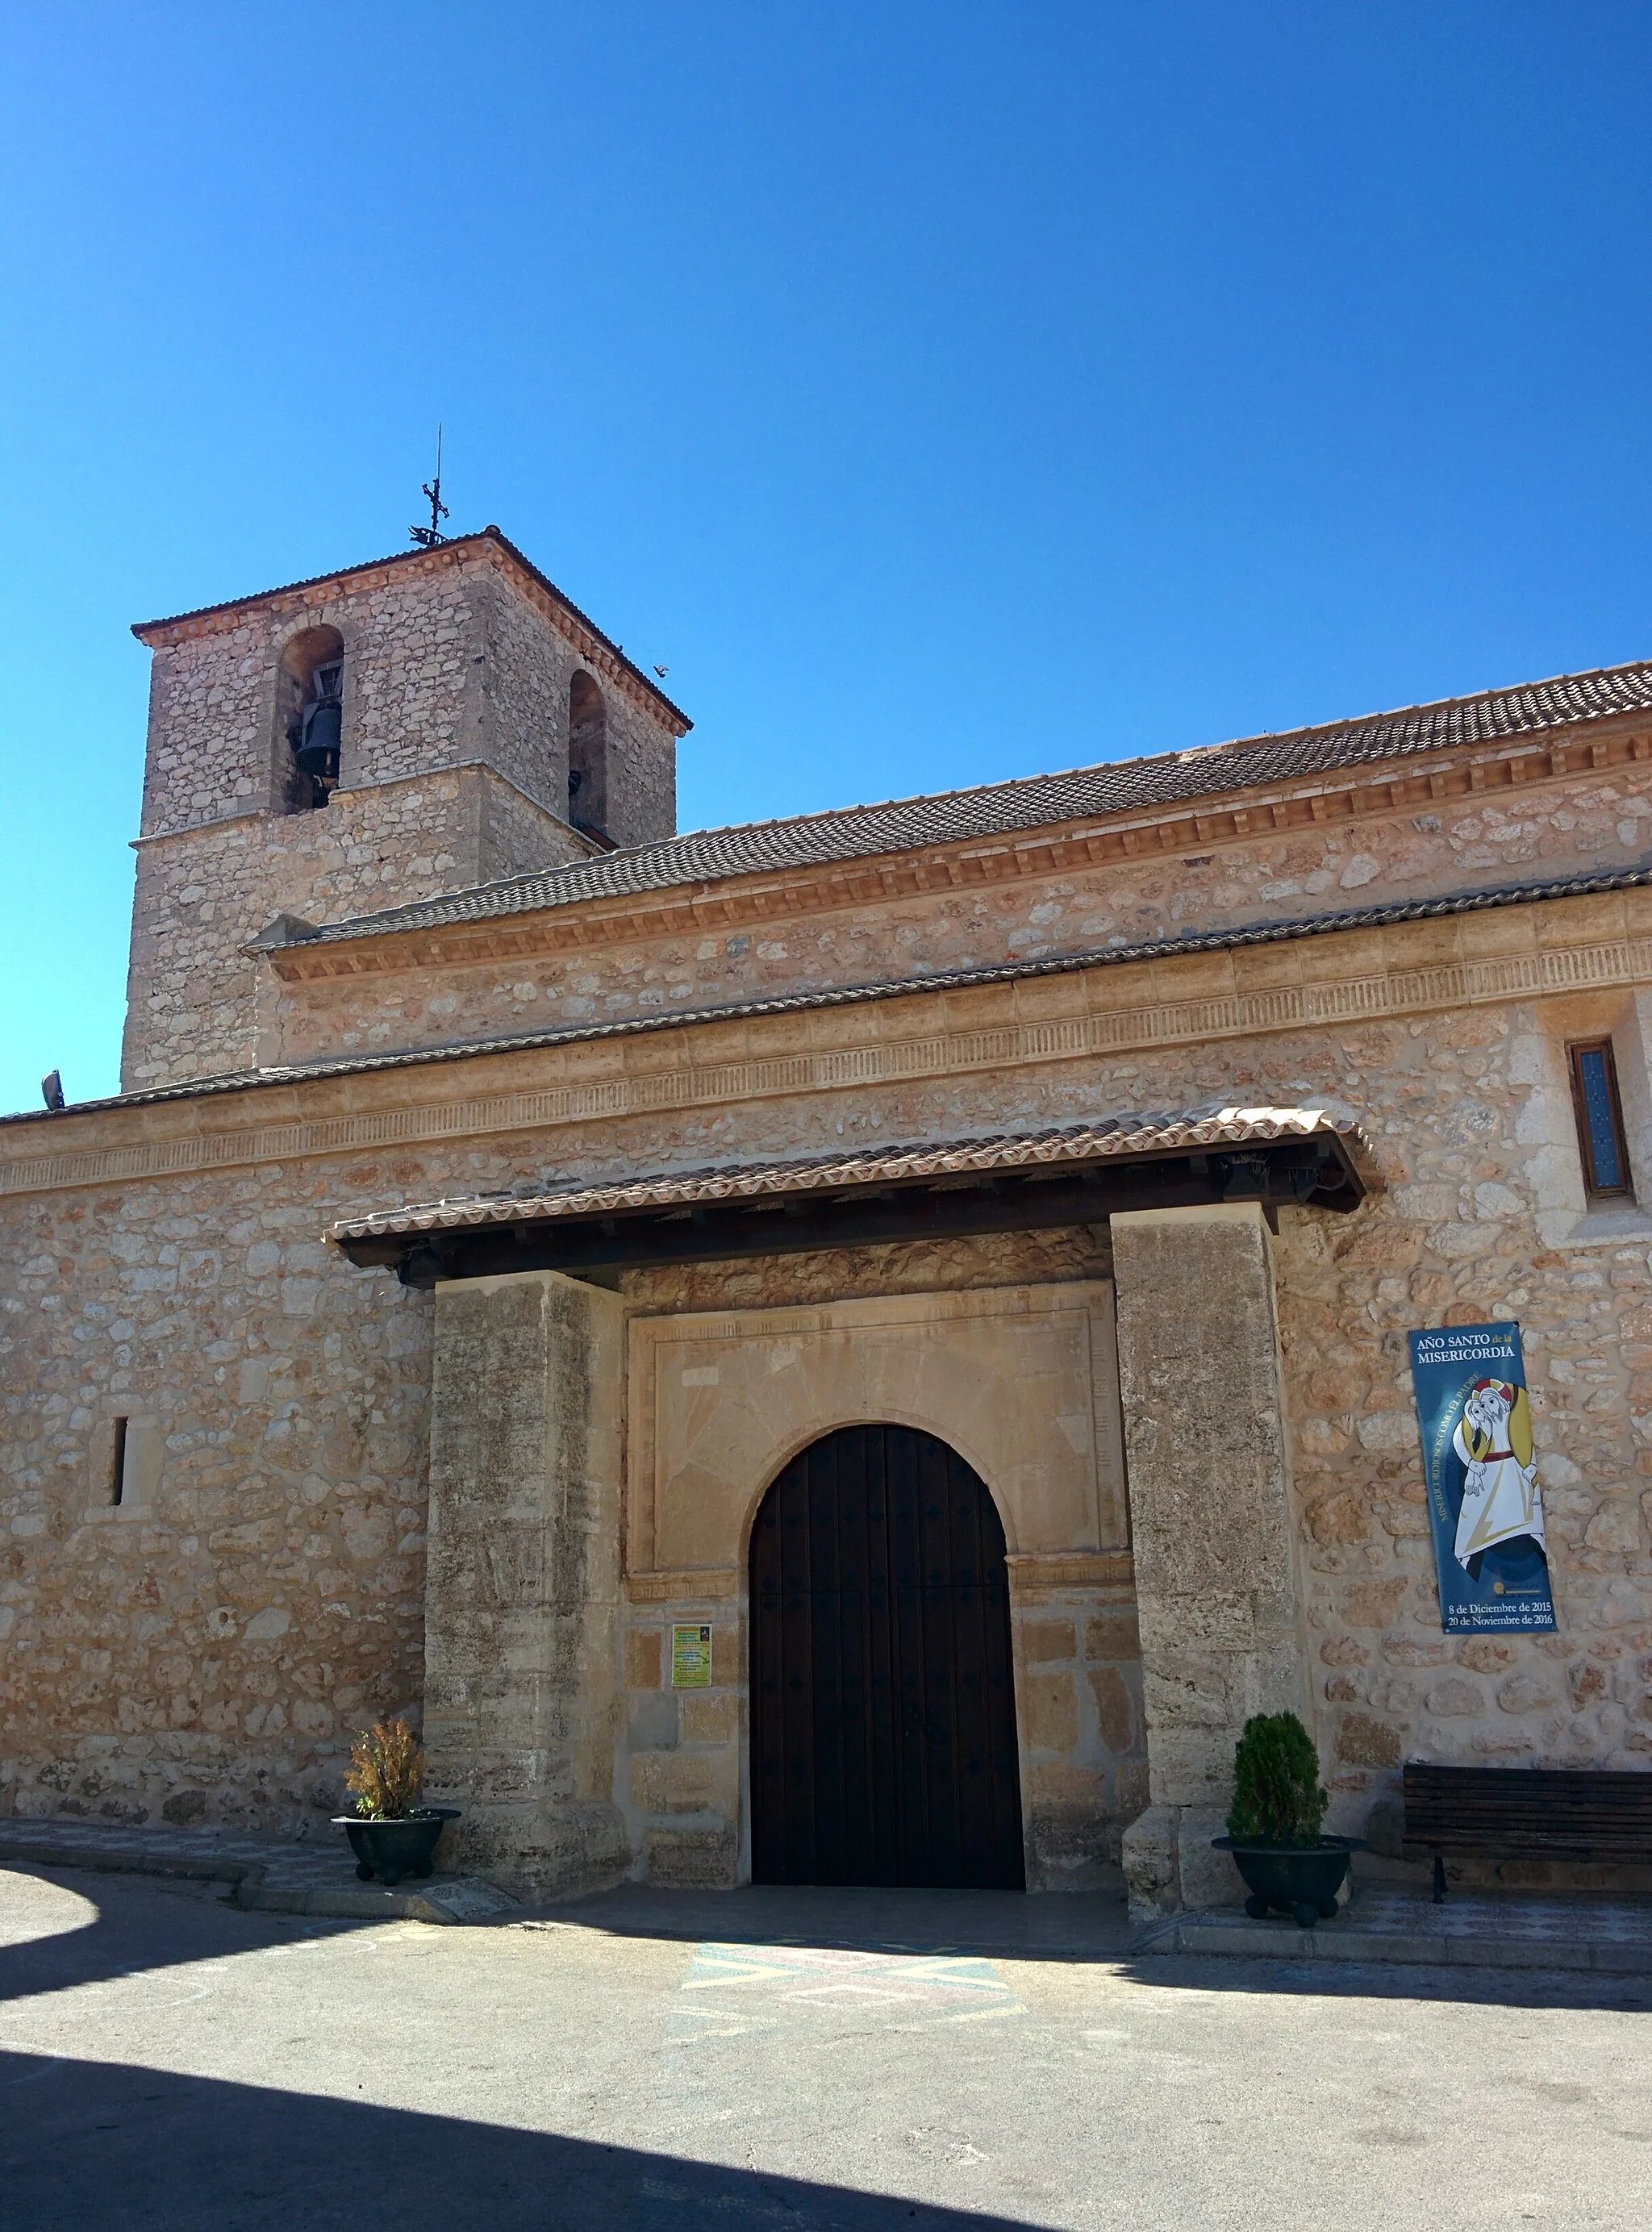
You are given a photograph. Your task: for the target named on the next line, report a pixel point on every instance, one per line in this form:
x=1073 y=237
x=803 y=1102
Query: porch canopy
x=1078 y=1174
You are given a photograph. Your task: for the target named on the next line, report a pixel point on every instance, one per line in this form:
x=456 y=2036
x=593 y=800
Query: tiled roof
x=854 y=996
x=1106 y=1138
x=143 y=629
x=1039 y=801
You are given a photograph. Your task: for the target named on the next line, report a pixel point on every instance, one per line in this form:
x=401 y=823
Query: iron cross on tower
x=431 y=536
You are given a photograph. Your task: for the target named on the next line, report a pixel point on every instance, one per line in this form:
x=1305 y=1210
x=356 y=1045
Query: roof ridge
x=1422 y=705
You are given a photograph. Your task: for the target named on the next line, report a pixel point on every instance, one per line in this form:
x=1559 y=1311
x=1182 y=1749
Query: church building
x=851 y=1349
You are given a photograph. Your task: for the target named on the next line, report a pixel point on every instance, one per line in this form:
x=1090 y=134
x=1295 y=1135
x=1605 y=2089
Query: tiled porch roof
x=1109 y=1138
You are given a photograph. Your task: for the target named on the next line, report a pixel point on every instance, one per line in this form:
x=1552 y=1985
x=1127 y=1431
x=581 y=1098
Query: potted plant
x=391 y=1835
x=1274 y=1830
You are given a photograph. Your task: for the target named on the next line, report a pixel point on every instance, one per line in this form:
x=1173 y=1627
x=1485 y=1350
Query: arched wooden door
x=883 y=1708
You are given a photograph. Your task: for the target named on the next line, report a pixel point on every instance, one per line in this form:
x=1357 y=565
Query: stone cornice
x=299 y=824
x=1335 y=982
x=1051 y=1576
x=1502 y=772
x=490 y=547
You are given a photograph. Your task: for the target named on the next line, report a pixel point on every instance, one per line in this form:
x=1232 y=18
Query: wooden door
x=883 y=1708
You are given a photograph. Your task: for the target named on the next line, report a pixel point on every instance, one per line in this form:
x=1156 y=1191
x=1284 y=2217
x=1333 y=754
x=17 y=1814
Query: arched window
x=309 y=716
x=587 y=755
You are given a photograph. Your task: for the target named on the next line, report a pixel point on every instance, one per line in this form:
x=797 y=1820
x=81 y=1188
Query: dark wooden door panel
x=883 y=1703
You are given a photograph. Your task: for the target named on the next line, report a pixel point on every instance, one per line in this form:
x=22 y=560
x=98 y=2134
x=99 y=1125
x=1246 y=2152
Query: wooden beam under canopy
x=1315 y=1173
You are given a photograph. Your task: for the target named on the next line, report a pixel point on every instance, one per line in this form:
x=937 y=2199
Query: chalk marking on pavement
x=826 y=1979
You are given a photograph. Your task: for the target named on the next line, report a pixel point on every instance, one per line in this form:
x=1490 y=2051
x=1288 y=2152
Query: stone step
x=1512 y=1930
x=278 y=1876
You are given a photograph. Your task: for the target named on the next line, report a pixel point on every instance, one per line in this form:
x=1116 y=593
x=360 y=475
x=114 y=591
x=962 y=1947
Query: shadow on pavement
x=104 y=2147
x=120 y=1939
x=996 y=1925
x=1389 y=1980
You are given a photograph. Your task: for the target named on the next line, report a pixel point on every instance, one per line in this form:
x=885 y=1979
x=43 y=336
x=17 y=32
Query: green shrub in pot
x=1277 y=1799
x=1274 y=1824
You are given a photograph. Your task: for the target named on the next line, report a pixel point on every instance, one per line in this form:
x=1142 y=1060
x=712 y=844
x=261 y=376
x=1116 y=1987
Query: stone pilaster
x=523 y=1595
x=1223 y=1625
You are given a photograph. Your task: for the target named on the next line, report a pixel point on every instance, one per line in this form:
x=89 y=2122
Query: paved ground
x=783 y=2060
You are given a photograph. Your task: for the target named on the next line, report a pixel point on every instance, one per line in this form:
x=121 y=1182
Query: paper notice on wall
x=1485 y=1506
x=692 y=1657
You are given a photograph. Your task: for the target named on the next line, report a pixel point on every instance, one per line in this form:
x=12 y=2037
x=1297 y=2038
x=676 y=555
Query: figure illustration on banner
x=1491 y=1554
x=1500 y=1498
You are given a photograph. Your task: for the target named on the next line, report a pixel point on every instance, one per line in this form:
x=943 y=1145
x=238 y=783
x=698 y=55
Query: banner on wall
x=1485 y=1506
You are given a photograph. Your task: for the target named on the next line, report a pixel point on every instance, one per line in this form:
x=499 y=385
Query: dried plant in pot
x=1273 y=1823
x=390 y=1834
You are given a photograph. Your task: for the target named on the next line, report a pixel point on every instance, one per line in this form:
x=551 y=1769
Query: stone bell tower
x=433 y=720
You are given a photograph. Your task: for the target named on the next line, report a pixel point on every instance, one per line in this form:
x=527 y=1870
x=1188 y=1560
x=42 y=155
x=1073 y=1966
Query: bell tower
x=417 y=726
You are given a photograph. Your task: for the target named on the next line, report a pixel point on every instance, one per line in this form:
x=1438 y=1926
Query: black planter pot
x=390 y=1850
x=1301 y=1880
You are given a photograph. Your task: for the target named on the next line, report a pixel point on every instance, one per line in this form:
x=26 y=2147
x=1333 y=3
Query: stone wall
x=414 y=644
x=529 y=666
x=198 y=1006
x=203 y=1650
x=1218 y=1582
x=446 y=660
x=1457 y=1240
x=986 y=905
x=212 y=1644
x=453 y=772
x=522 y=1598
x=641 y=773
x=1078 y=1660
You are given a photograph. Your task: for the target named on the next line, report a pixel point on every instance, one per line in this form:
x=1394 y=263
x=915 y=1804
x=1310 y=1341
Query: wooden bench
x=1496 y=1813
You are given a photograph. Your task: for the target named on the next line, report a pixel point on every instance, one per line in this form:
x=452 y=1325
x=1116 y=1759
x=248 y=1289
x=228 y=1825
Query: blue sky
x=944 y=391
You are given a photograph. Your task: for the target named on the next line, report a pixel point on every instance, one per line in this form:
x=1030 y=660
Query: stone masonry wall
x=448 y=666
x=1583 y=824
x=530 y=668
x=198 y=1006
x=204 y=1652
x=520 y=1609
x=1218 y=1588
x=413 y=639
x=214 y=1647
x=642 y=774
x=1453 y=1243
x=445 y=661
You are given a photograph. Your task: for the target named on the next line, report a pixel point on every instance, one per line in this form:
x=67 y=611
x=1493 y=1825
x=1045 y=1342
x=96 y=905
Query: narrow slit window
x=118 y=1462
x=1600 y=1117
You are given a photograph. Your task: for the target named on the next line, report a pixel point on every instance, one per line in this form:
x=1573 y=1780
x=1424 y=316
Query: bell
x=318 y=750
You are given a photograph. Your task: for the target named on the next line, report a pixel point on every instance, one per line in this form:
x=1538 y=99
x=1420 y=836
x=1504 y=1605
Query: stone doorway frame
x=1021 y=1382
x=561 y=1550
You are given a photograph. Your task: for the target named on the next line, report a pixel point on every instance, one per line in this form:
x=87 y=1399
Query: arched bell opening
x=309 y=716
x=587 y=757
x=883 y=1706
